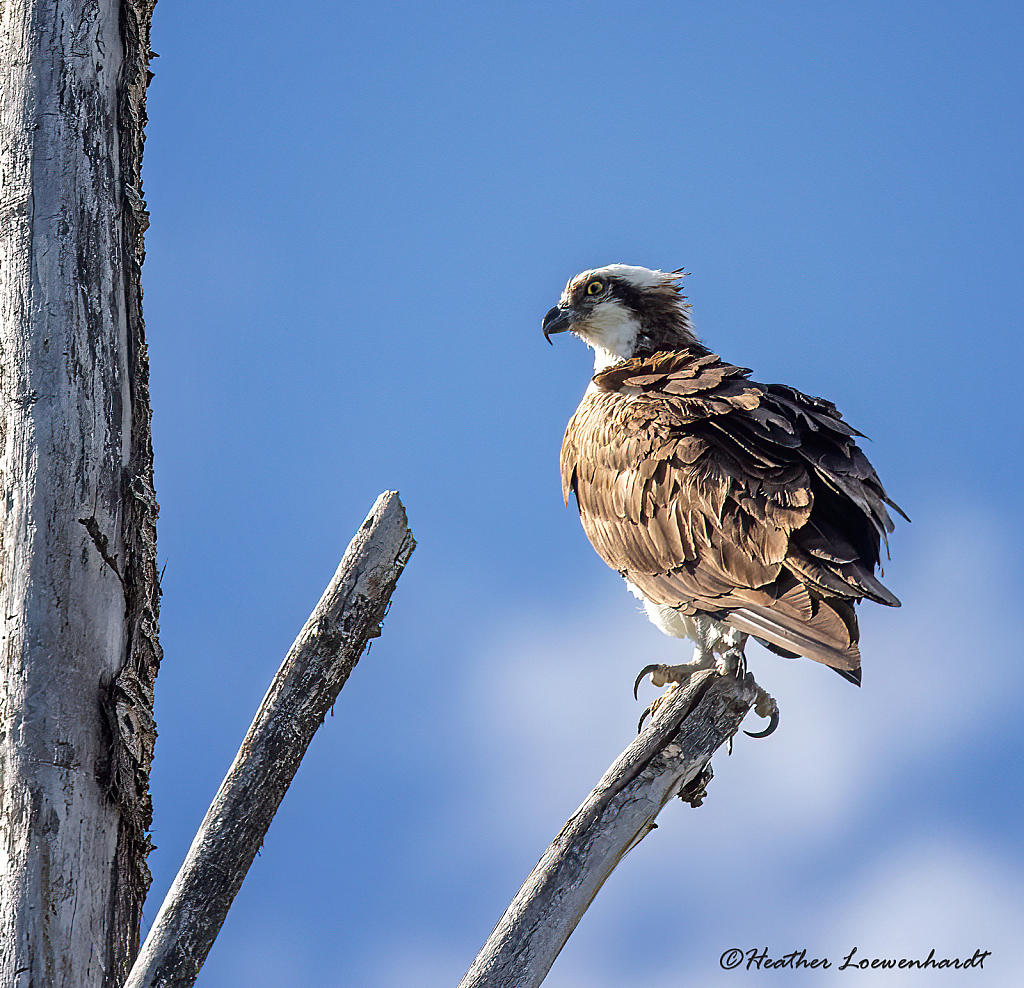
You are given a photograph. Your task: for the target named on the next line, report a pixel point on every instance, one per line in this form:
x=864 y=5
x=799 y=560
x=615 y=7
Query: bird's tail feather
x=829 y=644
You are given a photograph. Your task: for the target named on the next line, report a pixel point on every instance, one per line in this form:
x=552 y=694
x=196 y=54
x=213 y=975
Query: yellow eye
x=595 y=288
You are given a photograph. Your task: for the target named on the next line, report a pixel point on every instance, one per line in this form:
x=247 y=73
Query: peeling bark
x=79 y=591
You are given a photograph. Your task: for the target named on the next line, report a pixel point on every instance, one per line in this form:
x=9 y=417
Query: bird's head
x=622 y=312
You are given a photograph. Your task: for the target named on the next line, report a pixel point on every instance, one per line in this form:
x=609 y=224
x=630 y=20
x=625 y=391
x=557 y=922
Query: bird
x=732 y=509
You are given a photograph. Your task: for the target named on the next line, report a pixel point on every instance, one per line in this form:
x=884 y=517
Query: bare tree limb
x=305 y=687
x=667 y=758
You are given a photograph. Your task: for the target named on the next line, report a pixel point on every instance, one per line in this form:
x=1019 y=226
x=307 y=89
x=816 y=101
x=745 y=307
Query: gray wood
x=305 y=687
x=688 y=727
x=78 y=582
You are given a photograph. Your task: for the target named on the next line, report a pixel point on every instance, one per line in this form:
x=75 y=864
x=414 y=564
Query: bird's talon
x=647 y=670
x=770 y=729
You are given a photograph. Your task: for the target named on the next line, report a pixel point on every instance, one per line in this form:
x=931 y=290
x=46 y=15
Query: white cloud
x=553 y=699
x=943 y=893
x=552 y=708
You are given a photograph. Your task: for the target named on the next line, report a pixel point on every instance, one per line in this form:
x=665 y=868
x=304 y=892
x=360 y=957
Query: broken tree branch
x=666 y=759
x=305 y=687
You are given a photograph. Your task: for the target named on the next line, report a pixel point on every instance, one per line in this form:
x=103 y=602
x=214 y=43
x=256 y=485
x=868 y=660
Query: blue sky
x=360 y=214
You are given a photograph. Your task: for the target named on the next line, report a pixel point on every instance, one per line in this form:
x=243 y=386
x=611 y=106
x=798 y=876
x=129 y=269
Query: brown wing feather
x=713 y=493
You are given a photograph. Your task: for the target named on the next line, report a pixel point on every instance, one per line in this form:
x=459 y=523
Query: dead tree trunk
x=78 y=582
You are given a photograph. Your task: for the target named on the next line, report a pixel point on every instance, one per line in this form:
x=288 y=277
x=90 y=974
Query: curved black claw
x=770 y=729
x=646 y=671
x=643 y=717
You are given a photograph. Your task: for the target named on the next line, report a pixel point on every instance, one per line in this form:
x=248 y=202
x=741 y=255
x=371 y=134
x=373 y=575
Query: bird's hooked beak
x=557 y=320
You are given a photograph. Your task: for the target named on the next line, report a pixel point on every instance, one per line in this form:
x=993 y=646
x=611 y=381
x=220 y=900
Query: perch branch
x=668 y=758
x=304 y=689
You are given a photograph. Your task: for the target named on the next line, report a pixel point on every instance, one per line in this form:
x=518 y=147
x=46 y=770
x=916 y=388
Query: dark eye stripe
x=628 y=295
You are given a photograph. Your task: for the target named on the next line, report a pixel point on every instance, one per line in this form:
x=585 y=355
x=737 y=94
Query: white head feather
x=611 y=329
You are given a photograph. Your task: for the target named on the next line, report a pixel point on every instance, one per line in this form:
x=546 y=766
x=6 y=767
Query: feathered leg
x=719 y=647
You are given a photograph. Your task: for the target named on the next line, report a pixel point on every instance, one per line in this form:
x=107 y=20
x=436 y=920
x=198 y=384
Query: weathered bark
x=78 y=582
x=665 y=760
x=305 y=688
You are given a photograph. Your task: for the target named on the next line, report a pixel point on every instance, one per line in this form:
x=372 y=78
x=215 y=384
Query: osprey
x=731 y=508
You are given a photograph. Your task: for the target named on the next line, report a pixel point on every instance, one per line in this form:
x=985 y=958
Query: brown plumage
x=713 y=494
